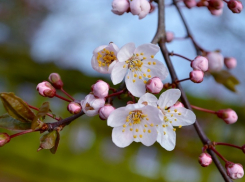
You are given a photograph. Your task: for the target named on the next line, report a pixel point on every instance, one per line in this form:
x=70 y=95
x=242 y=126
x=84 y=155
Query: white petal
x=135 y=8
x=120 y=138
x=118 y=72
x=117 y=117
x=114 y=47
x=98 y=49
x=154 y=114
x=168 y=139
x=131 y=107
x=169 y=98
x=134 y=85
x=187 y=117
x=112 y=66
x=149 y=98
x=157 y=68
x=148 y=138
x=148 y=50
x=126 y=52
x=96 y=67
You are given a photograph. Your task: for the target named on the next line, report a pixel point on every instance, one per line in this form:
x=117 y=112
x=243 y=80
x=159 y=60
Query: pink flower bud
x=45 y=89
x=74 y=107
x=91 y=105
x=235 y=6
x=230 y=63
x=215 y=12
x=105 y=111
x=4 y=138
x=178 y=104
x=56 y=81
x=120 y=6
x=140 y=8
x=205 y=159
x=154 y=85
x=190 y=3
x=215 y=61
x=196 y=76
x=228 y=115
x=234 y=171
x=100 y=89
x=200 y=63
x=202 y=3
x=169 y=36
x=216 y=4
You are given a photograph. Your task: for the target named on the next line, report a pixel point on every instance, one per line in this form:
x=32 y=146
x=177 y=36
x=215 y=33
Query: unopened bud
x=45 y=89
x=235 y=6
x=154 y=85
x=196 y=76
x=4 y=138
x=202 y=3
x=120 y=6
x=216 y=4
x=56 y=81
x=205 y=159
x=215 y=61
x=74 y=107
x=230 y=63
x=228 y=115
x=190 y=3
x=91 y=105
x=178 y=104
x=169 y=36
x=200 y=63
x=140 y=8
x=100 y=89
x=105 y=111
x=234 y=171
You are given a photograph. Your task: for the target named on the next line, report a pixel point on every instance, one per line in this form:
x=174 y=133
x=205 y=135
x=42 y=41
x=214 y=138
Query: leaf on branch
x=16 y=107
x=37 y=121
x=55 y=147
x=10 y=123
x=227 y=79
x=48 y=141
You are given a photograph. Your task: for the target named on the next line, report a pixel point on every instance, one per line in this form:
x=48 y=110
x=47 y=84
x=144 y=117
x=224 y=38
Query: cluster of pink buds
x=228 y=115
x=205 y=159
x=199 y=65
x=136 y=7
x=216 y=6
x=234 y=171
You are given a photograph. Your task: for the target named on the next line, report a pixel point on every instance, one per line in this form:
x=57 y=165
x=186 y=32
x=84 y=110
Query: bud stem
x=174 y=54
x=227 y=144
x=117 y=93
x=56 y=95
x=178 y=81
x=204 y=110
x=218 y=154
x=22 y=133
x=68 y=95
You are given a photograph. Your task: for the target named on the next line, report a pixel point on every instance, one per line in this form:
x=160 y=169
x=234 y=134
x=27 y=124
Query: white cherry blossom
x=104 y=58
x=139 y=65
x=135 y=122
x=172 y=116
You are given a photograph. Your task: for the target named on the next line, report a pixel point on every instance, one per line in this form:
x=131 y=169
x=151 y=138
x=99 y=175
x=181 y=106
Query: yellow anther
x=147 y=119
x=168 y=110
x=149 y=76
x=124 y=66
x=123 y=130
x=149 y=63
x=154 y=63
x=149 y=131
x=127 y=120
x=141 y=136
x=144 y=75
x=145 y=125
x=131 y=129
x=179 y=113
x=137 y=54
x=136 y=129
x=144 y=57
x=135 y=136
x=164 y=133
x=148 y=70
x=142 y=54
x=124 y=126
x=140 y=77
x=152 y=56
x=103 y=64
x=174 y=129
x=175 y=110
x=133 y=81
x=135 y=75
x=175 y=119
x=172 y=115
x=151 y=124
x=144 y=130
x=127 y=62
x=166 y=125
x=180 y=126
x=130 y=112
x=127 y=77
x=130 y=124
x=163 y=125
x=145 y=81
x=170 y=121
x=158 y=107
x=131 y=66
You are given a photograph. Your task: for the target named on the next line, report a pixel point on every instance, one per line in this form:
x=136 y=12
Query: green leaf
x=8 y=122
x=55 y=147
x=17 y=108
x=37 y=121
x=48 y=140
x=227 y=79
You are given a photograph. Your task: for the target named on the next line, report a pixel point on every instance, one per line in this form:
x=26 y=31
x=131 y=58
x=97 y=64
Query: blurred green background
x=86 y=152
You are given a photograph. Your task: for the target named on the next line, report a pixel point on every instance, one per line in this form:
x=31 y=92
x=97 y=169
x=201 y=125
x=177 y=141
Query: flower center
x=136 y=116
x=105 y=58
x=88 y=107
x=134 y=63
